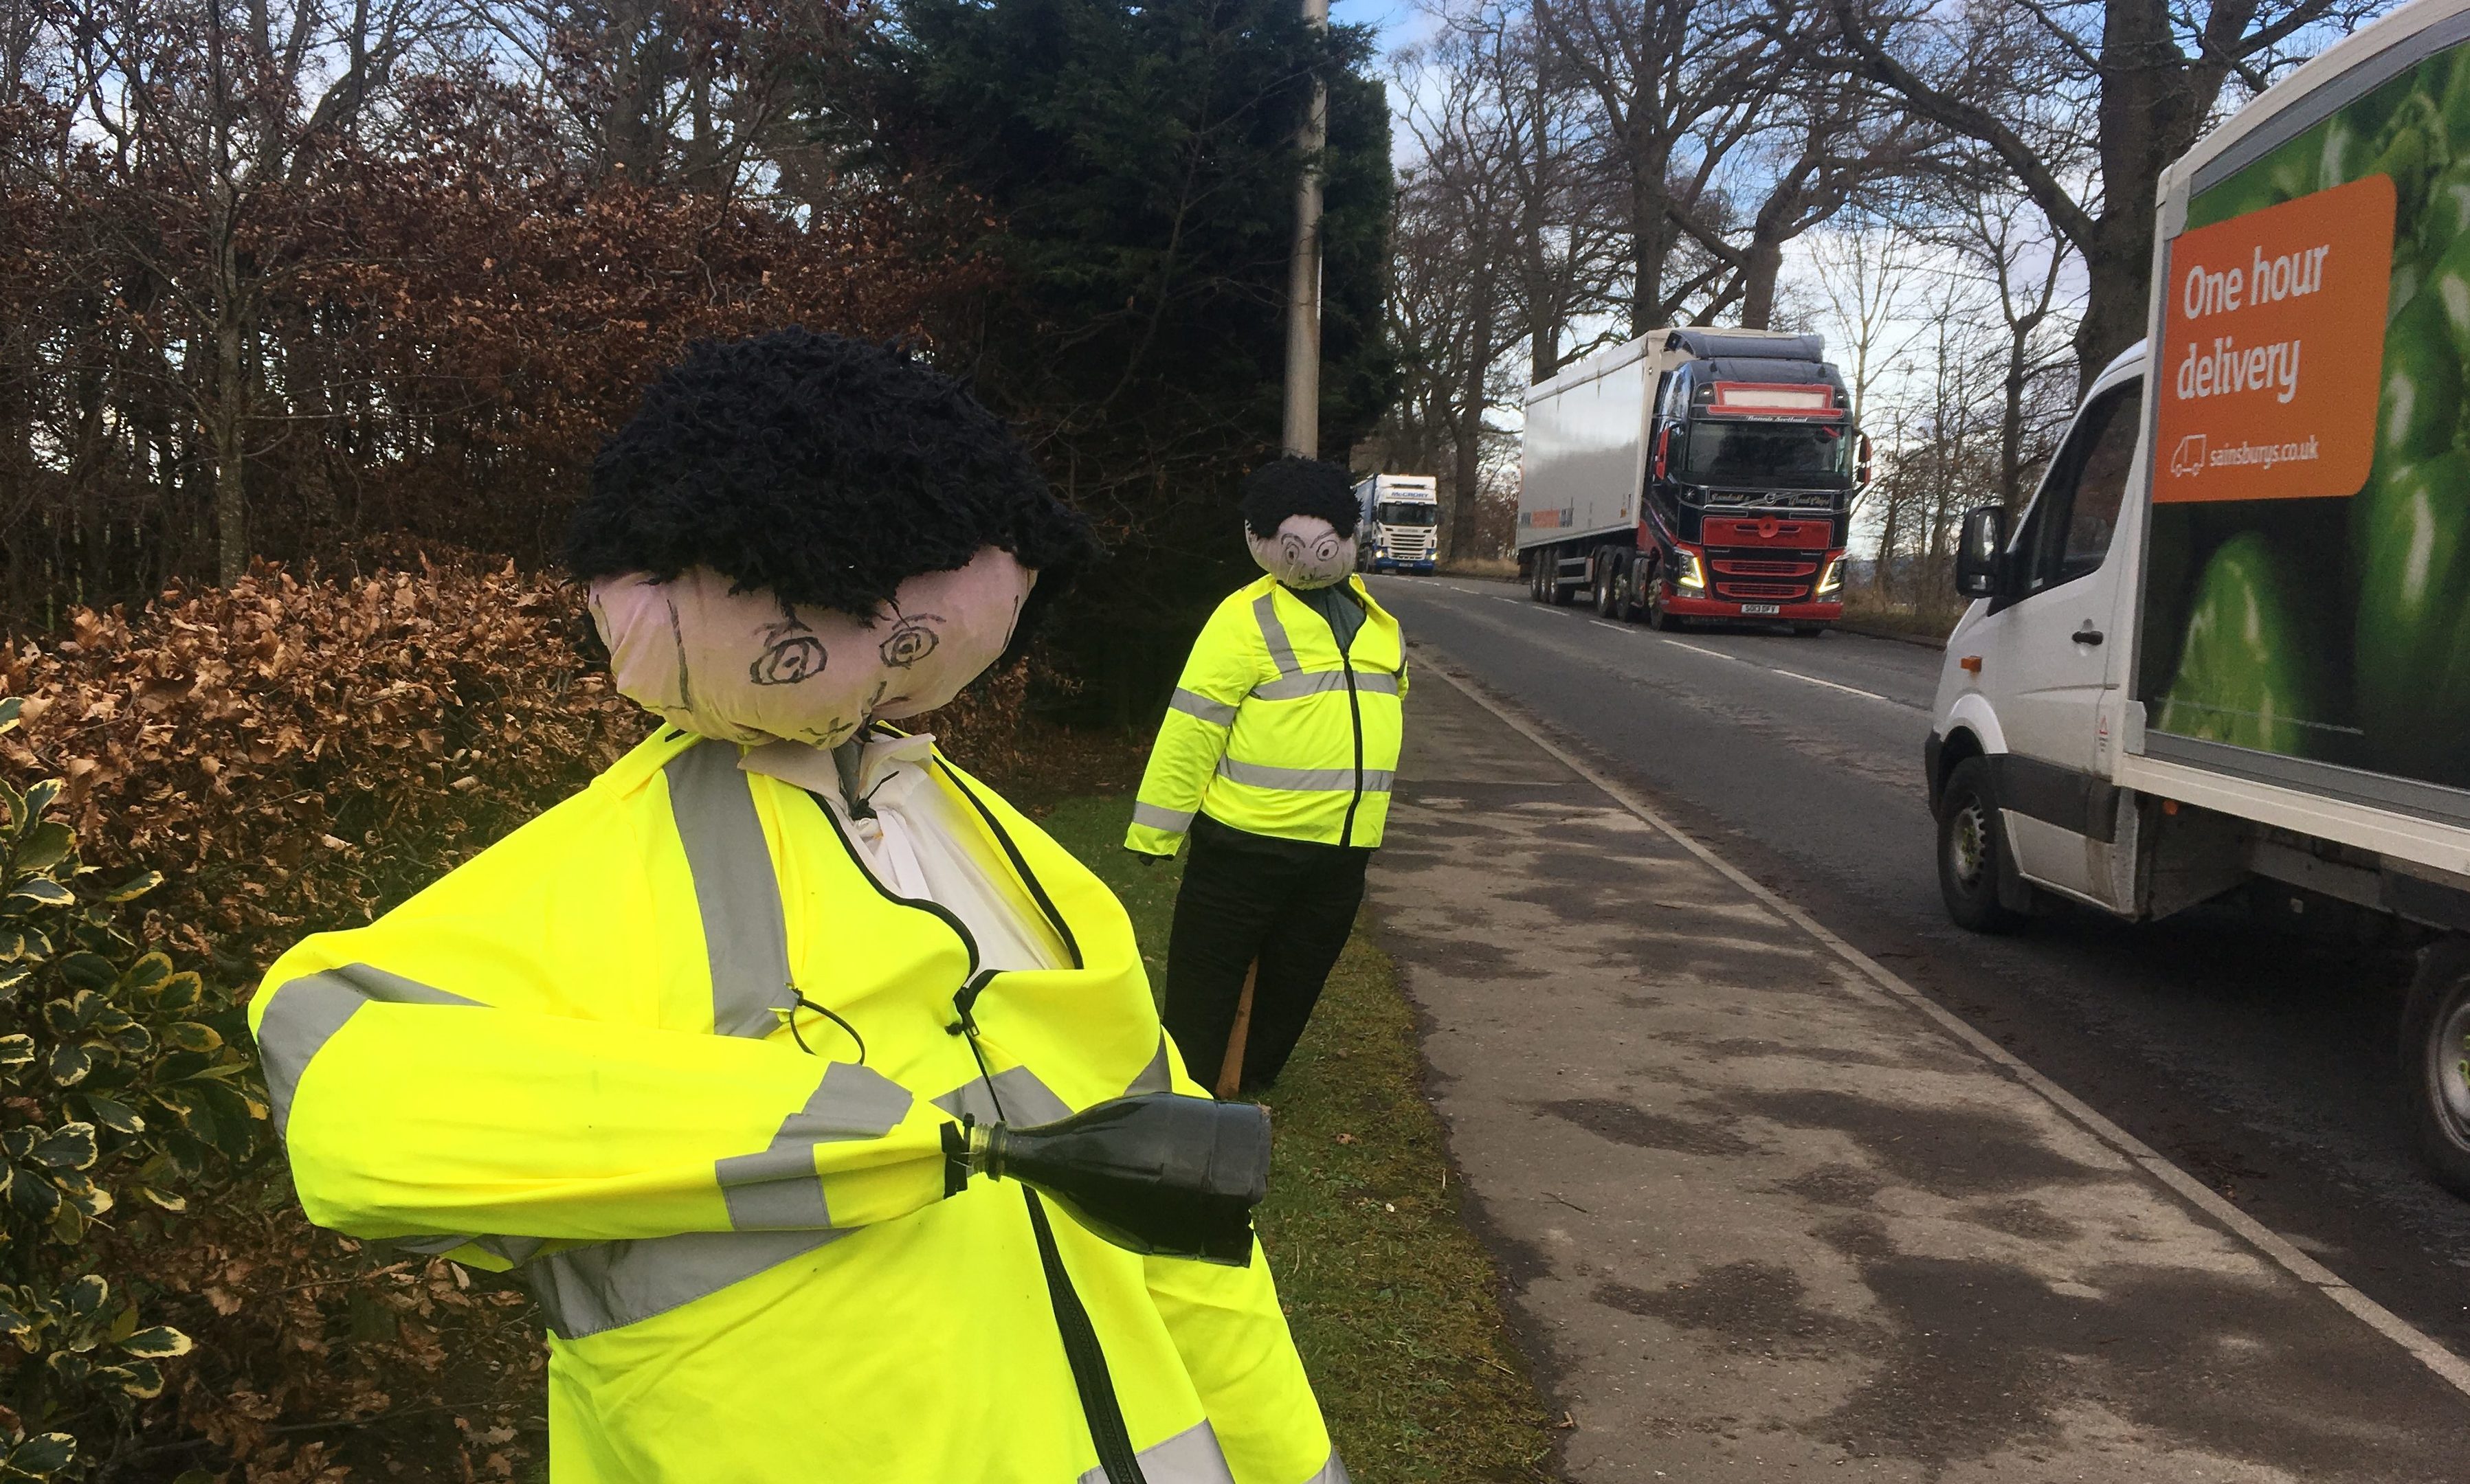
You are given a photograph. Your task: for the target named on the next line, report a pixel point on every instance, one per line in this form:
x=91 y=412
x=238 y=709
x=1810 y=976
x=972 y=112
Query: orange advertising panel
x=2272 y=349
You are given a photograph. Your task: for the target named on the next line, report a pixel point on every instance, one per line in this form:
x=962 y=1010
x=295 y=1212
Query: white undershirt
x=913 y=847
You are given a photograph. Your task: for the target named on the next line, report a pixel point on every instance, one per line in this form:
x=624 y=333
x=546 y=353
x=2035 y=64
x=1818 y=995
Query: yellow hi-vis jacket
x=571 y=1057
x=1274 y=729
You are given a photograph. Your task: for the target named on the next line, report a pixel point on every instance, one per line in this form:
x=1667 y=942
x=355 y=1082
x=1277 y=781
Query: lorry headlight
x=1686 y=572
x=1833 y=578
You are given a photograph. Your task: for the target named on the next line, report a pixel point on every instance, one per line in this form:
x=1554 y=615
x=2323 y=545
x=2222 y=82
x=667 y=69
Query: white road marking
x=1849 y=690
x=1615 y=627
x=1772 y=669
x=2278 y=1249
x=1711 y=654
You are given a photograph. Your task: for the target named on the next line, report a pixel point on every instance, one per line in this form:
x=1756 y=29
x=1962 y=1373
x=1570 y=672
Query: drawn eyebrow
x=678 y=634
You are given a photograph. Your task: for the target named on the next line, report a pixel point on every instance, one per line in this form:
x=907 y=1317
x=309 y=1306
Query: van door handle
x=2087 y=634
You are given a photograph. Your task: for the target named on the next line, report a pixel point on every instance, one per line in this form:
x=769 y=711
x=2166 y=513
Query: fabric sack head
x=747 y=668
x=1304 y=552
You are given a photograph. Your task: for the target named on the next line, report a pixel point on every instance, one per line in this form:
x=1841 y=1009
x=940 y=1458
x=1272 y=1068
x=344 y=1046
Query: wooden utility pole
x=1302 y=436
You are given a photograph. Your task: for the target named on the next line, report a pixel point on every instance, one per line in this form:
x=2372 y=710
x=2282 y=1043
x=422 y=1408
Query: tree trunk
x=1758 y=282
x=226 y=433
x=1650 y=220
x=2154 y=104
x=1466 y=474
x=2010 y=413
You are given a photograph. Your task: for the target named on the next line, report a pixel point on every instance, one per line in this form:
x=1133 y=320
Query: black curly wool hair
x=1294 y=486
x=826 y=470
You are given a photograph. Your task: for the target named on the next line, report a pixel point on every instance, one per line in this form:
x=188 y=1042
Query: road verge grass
x=1394 y=1304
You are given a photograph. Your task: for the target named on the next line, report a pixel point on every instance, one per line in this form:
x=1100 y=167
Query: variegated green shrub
x=121 y=1092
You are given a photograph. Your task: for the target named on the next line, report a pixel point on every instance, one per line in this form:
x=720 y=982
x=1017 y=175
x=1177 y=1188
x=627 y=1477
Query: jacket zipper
x=1083 y=1352
x=1355 y=716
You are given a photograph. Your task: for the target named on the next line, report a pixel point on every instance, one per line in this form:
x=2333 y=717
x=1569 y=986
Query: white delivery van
x=2230 y=640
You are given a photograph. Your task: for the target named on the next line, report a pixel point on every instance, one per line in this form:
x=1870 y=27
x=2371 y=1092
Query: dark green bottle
x=1158 y=1174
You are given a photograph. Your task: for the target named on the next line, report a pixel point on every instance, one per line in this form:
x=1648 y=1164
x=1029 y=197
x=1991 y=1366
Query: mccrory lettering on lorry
x=1692 y=475
x=2229 y=643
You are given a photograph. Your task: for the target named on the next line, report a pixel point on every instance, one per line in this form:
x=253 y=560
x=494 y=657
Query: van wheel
x=1972 y=851
x=2435 y=1062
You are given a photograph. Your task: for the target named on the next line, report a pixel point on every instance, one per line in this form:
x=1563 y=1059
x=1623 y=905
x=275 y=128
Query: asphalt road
x=2255 y=1051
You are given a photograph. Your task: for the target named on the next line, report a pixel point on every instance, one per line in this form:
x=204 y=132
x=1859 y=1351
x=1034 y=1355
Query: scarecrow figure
x=686 y=1052
x=1276 y=756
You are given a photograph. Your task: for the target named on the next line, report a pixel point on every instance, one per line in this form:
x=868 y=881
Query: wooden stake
x=1230 y=1070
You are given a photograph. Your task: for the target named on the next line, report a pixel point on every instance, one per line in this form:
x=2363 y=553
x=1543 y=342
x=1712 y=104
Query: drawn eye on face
x=791 y=653
x=912 y=639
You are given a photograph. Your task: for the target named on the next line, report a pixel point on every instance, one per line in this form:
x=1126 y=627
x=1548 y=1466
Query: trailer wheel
x=1535 y=577
x=1972 y=851
x=2436 y=1060
x=1608 y=581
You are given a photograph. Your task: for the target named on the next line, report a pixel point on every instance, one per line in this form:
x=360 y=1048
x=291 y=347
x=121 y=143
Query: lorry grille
x=1764 y=566
x=1762 y=574
x=1731 y=501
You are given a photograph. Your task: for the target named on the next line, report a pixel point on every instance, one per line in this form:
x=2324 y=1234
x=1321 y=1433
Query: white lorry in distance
x=2228 y=645
x=1692 y=474
x=1399 y=527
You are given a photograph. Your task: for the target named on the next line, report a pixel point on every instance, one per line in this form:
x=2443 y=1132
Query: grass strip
x=1394 y=1302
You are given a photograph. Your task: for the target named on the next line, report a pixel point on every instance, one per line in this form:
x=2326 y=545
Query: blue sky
x=1385 y=14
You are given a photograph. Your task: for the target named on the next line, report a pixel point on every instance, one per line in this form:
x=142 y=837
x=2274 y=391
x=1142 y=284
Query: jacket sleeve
x=1223 y=668
x=480 y=1065
x=1231 y=1333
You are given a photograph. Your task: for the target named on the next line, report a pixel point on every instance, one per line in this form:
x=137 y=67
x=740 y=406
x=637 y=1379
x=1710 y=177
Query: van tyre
x=2435 y=1021
x=1972 y=853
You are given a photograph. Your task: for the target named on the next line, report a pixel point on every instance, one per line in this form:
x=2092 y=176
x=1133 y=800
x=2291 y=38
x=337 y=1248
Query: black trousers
x=1285 y=903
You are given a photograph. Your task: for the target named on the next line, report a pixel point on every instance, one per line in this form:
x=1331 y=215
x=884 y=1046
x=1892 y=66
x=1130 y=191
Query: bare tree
x=1865 y=275
x=2026 y=271
x=213 y=128
x=2129 y=83
x=1459 y=257
x=1567 y=244
x=1821 y=141
x=1674 y=85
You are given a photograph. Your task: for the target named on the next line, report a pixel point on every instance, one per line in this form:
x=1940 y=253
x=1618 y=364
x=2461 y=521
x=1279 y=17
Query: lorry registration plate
x=1763 y=608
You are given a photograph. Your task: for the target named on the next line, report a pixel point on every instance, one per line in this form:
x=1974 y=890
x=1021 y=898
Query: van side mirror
x=1980 y=552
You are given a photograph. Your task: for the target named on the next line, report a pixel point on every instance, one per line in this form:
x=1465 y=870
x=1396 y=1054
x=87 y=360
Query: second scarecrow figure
x=1276 y=756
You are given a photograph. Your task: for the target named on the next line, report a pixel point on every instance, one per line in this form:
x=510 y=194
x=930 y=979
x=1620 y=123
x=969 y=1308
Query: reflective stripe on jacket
x=1274 y=729
x=572 y=1057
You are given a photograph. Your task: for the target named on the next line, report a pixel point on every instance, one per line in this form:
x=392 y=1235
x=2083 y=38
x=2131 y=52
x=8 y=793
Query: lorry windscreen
x=1401 y=512
x=1764 y=453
